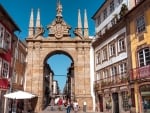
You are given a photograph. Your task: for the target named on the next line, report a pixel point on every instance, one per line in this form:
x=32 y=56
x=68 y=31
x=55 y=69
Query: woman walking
x=68 y=106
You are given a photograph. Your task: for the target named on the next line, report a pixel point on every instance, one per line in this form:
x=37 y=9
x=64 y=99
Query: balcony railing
x=97 y=85
x=111 y=81
x=140 y=73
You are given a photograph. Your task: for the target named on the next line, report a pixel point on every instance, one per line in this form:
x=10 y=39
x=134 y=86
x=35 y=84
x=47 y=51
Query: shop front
x=145 y=97
x=4 y=86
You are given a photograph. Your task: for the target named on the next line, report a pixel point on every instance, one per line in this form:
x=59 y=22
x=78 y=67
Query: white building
x=110 y=56
x=55 y=87
x=107 y=13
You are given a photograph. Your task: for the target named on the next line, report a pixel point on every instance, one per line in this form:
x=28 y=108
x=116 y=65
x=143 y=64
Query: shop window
x=125 y=101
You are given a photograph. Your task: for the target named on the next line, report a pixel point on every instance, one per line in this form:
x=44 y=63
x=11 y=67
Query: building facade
x=55 y=88
x=48 y=81
x=111 y=85
x=138 y=20
x=7 y=29
x=19 y=52
x=112 y=72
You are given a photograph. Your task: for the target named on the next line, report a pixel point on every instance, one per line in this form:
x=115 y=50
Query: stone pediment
x=58 y=28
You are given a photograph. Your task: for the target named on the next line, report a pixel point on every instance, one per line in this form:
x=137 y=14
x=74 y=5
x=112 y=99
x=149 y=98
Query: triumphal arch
x=58 y=40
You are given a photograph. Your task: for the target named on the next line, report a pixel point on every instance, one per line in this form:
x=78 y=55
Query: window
x=113 y=71
x=7 y=40
x=105 y=14
x=120 y=1
x=16 y=53
x=1 y=35
x=5 y=69
x=112 y=49
x=112 y=6
x=22 y=58
x=0 y=65
x=113 y=22
x=98 y=76
x=123 y=68
x=144 y=57
x=98 y=58
x=138 y=1
x=140 y=22
x=99 y=20
x=104 y=54
x=15 y=77
x=121 y=45
x=105 y=75
x=125 y=100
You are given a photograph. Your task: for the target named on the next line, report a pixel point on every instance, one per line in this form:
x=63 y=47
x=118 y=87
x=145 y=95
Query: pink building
x=7 y=29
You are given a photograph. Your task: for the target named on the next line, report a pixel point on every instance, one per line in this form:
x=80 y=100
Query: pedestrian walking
x=68 y=107
x=75 y=106
x=60 y=103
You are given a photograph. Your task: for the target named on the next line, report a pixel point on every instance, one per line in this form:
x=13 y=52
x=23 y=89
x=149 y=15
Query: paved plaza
x=55 y=110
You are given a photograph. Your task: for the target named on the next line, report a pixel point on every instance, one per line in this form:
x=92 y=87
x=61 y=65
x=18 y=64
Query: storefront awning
x=4 y=84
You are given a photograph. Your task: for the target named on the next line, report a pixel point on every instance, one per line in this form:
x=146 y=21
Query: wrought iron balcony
x=140 y=73
x=114 y=80
x=97 y=85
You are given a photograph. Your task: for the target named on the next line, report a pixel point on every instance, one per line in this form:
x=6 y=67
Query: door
x=116 y=103
x=101 y=103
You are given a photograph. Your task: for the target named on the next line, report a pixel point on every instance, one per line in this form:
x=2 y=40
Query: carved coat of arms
x=59 y=31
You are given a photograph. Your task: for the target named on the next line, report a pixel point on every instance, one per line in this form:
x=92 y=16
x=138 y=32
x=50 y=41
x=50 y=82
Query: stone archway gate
x=58 y=40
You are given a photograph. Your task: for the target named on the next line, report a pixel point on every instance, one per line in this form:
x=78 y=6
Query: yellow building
x=138 y=31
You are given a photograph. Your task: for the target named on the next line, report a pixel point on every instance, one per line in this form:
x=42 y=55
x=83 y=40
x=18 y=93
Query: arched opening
x=58 y=76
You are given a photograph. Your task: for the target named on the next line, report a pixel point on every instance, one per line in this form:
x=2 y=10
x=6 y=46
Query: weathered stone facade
x=40 y=48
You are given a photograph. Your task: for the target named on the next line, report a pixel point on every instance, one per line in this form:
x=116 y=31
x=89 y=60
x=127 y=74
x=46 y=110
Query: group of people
x=68 y=104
